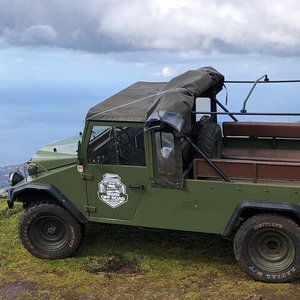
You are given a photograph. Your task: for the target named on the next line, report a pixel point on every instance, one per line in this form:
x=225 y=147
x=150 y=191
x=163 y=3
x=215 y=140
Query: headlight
x=15 y=177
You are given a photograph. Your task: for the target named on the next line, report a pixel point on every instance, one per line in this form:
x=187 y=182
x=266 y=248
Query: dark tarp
x=174 y=106
x=159 y=104
x=129 y=105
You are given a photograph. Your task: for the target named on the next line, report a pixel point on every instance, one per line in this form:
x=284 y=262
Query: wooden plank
x=248 y=170
x=262 y=129
x=274 y=155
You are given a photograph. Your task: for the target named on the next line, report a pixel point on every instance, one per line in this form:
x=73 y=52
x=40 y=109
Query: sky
x=58 y=58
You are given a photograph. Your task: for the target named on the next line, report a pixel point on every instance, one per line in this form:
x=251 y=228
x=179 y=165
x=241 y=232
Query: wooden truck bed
x=255 y=164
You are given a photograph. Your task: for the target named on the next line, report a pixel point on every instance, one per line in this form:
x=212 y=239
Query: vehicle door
x=116 y=171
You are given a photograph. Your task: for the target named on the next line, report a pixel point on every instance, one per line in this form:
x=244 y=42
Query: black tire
x=267 y=248
x=49 y=231
x=209 y=141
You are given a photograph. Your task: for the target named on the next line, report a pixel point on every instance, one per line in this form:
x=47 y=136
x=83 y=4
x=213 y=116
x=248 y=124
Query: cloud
x=35 y=34
x=165 y=72
x=39 y=33
x=266 y=27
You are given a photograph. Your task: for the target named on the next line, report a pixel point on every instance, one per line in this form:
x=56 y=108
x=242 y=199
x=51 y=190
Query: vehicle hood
x=57 y=154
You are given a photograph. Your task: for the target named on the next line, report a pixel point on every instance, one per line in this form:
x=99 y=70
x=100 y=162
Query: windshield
x=97 y=131
x=116 y=145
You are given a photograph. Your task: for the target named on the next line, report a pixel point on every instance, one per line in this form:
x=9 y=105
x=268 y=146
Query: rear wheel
x=49 y=231
x=267 y=248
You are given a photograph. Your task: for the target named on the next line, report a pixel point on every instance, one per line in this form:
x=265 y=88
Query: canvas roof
x=131 y=104
x=159 y=103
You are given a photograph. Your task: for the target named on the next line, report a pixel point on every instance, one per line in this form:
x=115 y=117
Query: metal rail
x=246 y=114
x=270 y=81
x=208 y=160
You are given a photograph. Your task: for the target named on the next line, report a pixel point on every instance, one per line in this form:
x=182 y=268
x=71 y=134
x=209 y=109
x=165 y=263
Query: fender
x=14 y=191
x=260 y=207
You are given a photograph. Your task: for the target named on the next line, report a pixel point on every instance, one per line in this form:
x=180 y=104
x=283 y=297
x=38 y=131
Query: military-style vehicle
x=148 y=157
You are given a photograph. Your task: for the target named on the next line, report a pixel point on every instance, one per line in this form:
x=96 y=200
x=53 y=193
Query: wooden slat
x=281 y=155
x=262 y=129
x=248 y=170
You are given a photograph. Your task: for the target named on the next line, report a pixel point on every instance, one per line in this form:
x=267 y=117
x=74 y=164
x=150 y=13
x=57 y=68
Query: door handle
x=138 y=187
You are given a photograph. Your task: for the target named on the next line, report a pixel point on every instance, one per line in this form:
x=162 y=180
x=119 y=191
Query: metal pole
x=243 y=110
x=216 y=169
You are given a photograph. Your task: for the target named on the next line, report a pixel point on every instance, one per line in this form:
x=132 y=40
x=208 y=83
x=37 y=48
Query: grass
x=119 y=262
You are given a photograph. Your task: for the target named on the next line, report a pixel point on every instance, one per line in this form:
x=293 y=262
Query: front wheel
x=267 y=248
x=49 y=231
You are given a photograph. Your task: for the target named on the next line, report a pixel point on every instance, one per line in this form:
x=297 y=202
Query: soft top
x=131 y=104
x=160 y=103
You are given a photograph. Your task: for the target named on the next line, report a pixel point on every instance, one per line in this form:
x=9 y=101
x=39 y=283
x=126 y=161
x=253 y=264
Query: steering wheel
x=97 y=159
x=125 y=144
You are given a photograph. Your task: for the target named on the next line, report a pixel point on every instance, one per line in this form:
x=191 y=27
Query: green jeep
x=148 y=157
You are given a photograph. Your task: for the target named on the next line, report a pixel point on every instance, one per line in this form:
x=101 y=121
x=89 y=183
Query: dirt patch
x=10 y=291
x=113 y=264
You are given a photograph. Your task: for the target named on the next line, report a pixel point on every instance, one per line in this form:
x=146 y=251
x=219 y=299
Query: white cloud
x=165 y=72
x=229 y=26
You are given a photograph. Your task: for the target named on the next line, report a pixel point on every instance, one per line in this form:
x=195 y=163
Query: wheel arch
x=31 y=192
x=247 y=209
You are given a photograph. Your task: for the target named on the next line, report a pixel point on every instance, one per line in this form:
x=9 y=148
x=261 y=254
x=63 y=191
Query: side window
x=165 y=153
x=167 y=161
x=116 y=146
x=202 y=104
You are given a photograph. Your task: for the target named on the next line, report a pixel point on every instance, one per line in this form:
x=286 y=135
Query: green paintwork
x=67 y=180
x=202 y=205
x=59 y=169
x=57 y=154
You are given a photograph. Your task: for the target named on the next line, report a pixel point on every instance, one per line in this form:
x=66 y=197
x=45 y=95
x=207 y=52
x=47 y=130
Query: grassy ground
x=118 y=262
